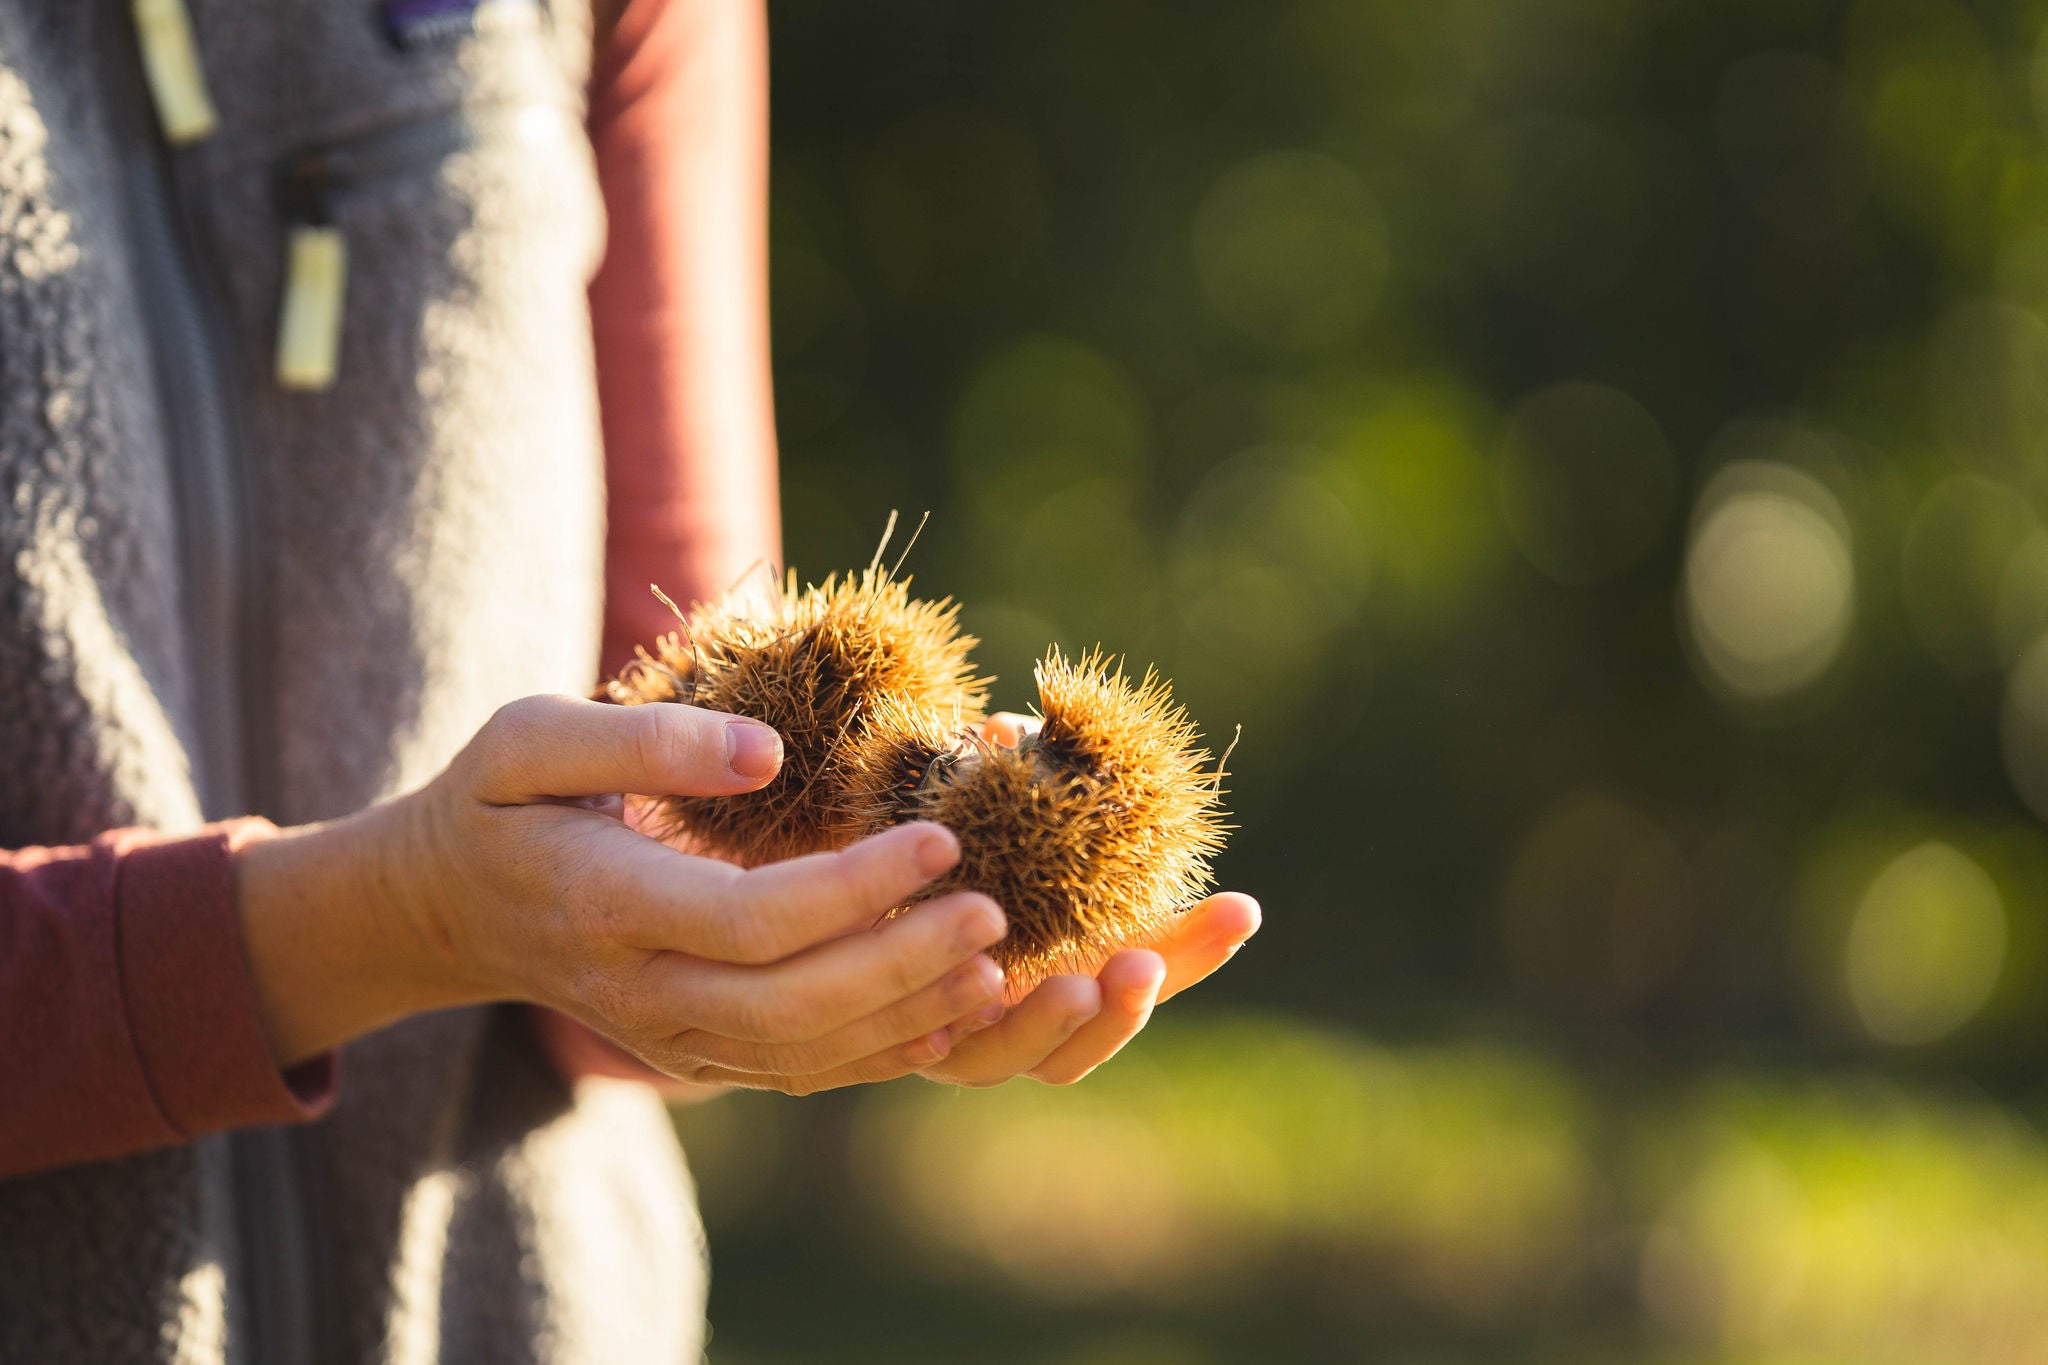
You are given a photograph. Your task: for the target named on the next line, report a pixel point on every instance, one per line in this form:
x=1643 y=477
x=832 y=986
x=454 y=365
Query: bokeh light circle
x=2024 y=727
x=1925 y=947
x=1988 y=375
x=1954 y=564
x=1271 y=566
x=1770 y=582
x=1292 y=249
x=2020 y=614
x=1046 y=410
x=1052 y=442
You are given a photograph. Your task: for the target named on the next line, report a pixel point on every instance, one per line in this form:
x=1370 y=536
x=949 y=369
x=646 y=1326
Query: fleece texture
x=420 y=544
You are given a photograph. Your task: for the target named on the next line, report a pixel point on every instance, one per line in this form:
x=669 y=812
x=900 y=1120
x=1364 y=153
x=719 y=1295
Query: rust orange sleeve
x=679 y=309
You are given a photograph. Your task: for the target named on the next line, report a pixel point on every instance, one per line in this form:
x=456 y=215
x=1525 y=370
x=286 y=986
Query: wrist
x=331 y=920
x=407 y=892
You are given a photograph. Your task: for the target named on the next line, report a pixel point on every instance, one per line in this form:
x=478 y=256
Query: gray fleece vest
x=218 y=596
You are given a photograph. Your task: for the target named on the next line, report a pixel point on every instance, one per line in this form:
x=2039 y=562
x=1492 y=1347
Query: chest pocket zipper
x=309 y=316
x=315 y=185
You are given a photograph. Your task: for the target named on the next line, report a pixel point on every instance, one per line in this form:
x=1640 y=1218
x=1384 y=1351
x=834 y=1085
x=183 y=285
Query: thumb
x=541 y=747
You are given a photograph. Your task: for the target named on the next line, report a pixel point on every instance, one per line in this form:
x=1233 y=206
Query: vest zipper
x=274 y=1299
x=312 y=186
x=314 y=304
x=317 y=179
x=188 y=356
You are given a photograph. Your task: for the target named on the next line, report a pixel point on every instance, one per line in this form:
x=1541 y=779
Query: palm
x=1069 y=1025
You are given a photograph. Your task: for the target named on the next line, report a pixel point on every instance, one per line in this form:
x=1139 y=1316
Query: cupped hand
x=512 y=876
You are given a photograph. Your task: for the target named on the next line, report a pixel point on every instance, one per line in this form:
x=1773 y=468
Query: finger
x=970 y=987
x=1130 y=984
x=883 y=1066
x=968 y=1025
x=627 y=889
x=540 y=747
x=1208 y=936
x=1028 y=1034
x=836 y=983
x=768 y=912
x=1007 y=728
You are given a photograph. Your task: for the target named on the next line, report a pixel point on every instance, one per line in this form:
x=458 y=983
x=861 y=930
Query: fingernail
x=968 y=1025
x=937 y=851
x=1139 y=996
x=1258 y=918
x=931 y=1047
x=752 y=750
x=982 y=928
x=981 y=982
x=969 y=987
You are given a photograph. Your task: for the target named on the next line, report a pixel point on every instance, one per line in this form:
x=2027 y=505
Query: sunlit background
x=1598 y=449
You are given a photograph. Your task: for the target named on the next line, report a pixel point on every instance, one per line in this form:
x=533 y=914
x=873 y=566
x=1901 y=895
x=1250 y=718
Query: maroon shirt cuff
x=127 y=1010
x=191 y=1003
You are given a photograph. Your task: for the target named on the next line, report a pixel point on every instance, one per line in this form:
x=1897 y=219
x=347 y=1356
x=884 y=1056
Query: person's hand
x=512 y=876
x=1070 y=1024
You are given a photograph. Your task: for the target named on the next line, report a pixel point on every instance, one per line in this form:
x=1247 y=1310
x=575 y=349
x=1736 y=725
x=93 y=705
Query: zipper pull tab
x=309 y=320
x=170 y=63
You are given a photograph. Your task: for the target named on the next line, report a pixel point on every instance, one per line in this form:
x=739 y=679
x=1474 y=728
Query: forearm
x=679 y=312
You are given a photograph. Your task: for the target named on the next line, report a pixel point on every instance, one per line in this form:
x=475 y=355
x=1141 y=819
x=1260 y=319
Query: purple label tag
x=414 y=23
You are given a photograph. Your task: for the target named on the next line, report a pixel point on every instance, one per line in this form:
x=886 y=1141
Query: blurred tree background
x=1599 y=451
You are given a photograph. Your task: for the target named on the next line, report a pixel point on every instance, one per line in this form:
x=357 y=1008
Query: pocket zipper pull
x=170 y=63
x=309 y=319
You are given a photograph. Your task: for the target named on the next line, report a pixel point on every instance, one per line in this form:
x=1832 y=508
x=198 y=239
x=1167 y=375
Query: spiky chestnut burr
x=1092 y=834
x=813 y=663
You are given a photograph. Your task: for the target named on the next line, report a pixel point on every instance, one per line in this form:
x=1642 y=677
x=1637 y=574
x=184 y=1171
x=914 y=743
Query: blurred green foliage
x=1598 y=449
